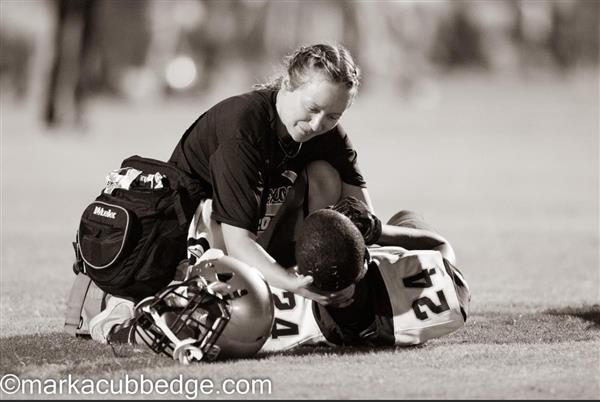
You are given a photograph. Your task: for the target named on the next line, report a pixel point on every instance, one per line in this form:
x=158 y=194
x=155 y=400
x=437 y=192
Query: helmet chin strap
x=186 y=353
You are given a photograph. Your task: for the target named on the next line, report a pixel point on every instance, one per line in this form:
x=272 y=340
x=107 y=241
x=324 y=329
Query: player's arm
x=356 y=204
x=408 y=238
x=447 y=252
x=241 y=244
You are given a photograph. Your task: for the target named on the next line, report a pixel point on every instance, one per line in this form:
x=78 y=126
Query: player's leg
x=204 y=232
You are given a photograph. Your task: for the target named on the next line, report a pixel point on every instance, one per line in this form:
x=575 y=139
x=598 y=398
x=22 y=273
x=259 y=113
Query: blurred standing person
x=493 y=24
x=396 y=41
x=545 y=33
x=72 y=40
x=287 y=23
x=253 y=150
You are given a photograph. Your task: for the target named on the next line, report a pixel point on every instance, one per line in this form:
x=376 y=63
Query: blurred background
x=481 y=115
x=60 y=54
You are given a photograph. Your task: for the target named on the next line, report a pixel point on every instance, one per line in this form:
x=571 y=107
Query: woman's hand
x=338 y=299
x=242 y=245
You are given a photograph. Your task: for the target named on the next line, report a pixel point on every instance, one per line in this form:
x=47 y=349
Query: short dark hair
x=331 y=249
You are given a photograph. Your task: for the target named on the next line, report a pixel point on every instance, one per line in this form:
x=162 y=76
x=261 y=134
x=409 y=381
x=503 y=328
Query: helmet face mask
x=224 y=309
x=183 y=321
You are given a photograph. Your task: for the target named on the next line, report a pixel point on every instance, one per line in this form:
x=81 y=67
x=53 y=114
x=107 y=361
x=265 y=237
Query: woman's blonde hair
x=333 y=61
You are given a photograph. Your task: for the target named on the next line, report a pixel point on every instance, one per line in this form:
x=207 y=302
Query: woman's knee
x=324 y=185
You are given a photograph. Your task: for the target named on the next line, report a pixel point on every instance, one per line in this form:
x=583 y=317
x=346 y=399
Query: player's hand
x=367 y=223
x=339 y=299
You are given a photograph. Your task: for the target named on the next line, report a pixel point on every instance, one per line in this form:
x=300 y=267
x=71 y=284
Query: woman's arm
x=241 y=244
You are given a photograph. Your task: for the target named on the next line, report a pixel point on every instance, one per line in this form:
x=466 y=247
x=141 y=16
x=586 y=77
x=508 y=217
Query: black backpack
x=132 y=237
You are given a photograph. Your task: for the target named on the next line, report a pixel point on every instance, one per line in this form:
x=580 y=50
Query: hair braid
x=333 y=61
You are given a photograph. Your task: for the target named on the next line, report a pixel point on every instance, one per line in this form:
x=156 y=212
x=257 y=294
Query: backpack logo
x=103 y=212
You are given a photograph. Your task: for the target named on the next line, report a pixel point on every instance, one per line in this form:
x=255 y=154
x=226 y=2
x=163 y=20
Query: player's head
x=318 y=84
x=224 y=310
x=331 y=249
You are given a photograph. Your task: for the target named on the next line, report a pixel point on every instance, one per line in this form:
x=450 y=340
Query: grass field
x=505 y=169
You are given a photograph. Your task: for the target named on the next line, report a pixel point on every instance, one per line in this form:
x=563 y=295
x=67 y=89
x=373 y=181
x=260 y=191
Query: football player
x=401 y=297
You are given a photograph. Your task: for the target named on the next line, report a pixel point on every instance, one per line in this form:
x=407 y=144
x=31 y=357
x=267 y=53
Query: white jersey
x=294 y=324
x=426 y=298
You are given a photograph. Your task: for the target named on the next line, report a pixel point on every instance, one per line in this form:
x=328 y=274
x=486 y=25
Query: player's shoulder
x=398 y=261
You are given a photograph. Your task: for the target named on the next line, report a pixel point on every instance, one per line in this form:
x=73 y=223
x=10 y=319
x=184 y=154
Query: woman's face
x=313 y=108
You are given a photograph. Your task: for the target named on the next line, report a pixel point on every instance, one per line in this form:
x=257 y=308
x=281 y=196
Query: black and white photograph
x=300 y=199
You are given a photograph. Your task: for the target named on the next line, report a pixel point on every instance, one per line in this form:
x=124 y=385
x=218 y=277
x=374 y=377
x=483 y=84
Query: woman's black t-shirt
x=240 y=148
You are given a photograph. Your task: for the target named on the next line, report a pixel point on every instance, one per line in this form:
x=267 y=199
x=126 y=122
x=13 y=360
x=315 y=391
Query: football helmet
x=223 y=309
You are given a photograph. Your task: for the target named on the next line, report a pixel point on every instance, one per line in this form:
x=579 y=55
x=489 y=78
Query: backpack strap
x=73 y=319
x=86 y=300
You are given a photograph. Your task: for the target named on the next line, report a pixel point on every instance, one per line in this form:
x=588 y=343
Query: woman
x=253 y=150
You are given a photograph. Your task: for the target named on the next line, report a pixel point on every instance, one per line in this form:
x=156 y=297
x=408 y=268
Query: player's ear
x=365 y=267
x=363 y=271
